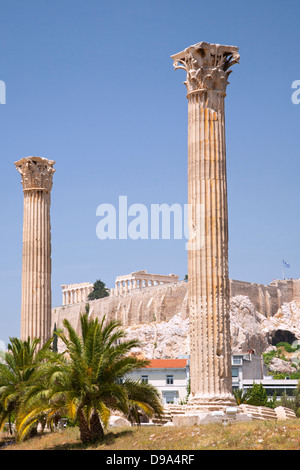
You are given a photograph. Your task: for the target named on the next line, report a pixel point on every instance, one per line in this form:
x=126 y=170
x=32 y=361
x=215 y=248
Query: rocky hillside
x=249 y=330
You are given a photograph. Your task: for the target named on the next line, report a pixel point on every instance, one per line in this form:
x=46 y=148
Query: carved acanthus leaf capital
x=37 y=173
x=207 y=66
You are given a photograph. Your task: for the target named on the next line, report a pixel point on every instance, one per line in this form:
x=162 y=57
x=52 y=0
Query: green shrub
x=269 y=356
x=257 y=395
x=286 y=346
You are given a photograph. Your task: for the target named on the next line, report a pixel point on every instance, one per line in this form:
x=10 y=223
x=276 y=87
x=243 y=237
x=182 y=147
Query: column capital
x=37 y=173
x=207 y=66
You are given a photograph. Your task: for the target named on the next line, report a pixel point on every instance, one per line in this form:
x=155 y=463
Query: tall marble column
x=207 y=69
x=37 y=175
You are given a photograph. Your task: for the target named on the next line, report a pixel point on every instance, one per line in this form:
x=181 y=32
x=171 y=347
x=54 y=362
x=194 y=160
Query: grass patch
x=254 y=435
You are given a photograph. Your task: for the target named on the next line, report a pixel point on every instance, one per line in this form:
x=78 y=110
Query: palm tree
x=240 y=396
x=19 y=364
x=90 y=381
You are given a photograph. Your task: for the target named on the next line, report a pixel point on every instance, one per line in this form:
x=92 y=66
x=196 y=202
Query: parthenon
x=140 y=279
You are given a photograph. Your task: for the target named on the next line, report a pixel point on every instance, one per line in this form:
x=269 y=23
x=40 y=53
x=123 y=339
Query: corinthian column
x=207 y=68
x=37 y=174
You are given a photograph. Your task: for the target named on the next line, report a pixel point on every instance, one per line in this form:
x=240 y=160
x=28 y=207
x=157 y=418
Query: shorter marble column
x=37 y=176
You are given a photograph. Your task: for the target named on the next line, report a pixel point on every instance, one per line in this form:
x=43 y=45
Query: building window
x=144 y=379
x=237 y=360
x=170 y=397
x=170 y=380
x=234 y=371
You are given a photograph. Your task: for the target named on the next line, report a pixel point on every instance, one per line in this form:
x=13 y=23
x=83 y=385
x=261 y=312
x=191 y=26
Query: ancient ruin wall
x=162 y=302
x=267 y=299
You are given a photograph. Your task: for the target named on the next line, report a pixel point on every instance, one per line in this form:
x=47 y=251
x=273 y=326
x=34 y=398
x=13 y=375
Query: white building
x=279 y=386
x=169 y=376
x=248 y=368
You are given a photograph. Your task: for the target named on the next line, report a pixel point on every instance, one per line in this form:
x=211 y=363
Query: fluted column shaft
x=208 y=284
x=36 y=261
x=36 y=266
x=208 y=263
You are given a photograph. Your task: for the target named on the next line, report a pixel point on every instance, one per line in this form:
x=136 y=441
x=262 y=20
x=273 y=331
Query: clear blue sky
x=90 y=84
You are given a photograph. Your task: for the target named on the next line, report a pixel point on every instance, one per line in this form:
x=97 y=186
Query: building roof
x=167 y=364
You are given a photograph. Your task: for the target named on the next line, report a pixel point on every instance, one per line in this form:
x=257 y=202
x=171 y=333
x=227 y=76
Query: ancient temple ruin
x=76 y=293
x=207 y=68
x=140 y=279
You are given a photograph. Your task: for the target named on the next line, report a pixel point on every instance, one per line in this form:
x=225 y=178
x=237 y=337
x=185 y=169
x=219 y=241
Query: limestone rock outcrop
x=249 y=330
x=160 y=303
x=162 y=340
x=246 y=326
x=167 y=335
x=287 y=319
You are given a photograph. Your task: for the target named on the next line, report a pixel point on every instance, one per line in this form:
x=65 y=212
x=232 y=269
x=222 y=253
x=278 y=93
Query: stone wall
x=264 y=413
x=267 y=299
x=162 y=302
x=149 y=304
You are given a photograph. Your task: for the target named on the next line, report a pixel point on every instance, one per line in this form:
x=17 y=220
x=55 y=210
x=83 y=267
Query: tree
x=90 y=382
x=257 y=395
x=297 y=400
x=99 y=291
x=291 y=402
x=286 y=401
x=54 y=344
x=240 y=396
x=20 y=362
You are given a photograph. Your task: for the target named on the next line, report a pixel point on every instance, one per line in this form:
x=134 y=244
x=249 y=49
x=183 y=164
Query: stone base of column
x=204 y=404
x=211 y=410
x=210 y=417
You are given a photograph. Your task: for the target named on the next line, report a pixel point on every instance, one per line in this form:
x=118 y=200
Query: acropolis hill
x=141 y=306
